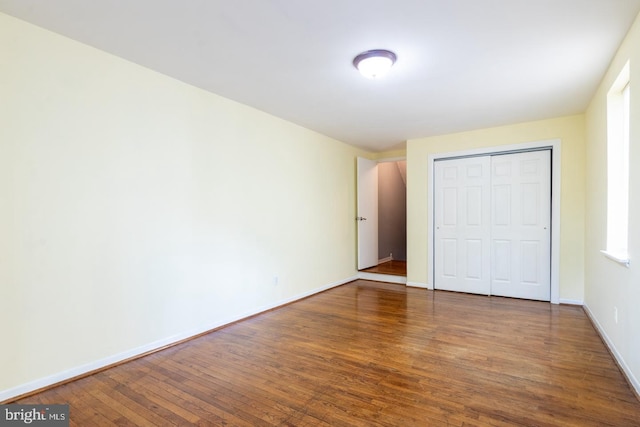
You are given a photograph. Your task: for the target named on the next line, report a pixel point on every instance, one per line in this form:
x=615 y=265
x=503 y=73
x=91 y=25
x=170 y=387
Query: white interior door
x=367 y=216
x=521 y=225
x=462 y=225
x=492 y=222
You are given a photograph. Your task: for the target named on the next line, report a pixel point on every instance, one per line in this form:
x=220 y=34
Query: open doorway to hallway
x=392 y=217
x=391 y=253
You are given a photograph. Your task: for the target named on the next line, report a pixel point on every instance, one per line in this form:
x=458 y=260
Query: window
x=618 y=109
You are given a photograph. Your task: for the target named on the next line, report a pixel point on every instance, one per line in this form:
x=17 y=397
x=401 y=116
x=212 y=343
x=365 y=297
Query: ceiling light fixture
x=374 y=63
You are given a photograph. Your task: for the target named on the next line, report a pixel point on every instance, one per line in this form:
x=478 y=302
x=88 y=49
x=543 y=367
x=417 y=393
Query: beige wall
x=570 y=130
x=136 y=210
x=609 y=285
x=395 y=154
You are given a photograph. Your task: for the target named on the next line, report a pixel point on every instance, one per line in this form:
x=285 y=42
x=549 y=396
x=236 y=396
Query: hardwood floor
x=367 y=354
x=393 y=267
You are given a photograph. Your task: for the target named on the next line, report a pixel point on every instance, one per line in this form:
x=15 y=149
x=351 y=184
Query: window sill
x=620 y=258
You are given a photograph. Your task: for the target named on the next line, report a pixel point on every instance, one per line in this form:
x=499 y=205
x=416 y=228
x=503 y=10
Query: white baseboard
x=383 y=260
x=420 y=285
x=570 y=301
x=116 y=358
x=378 y=277
x=612 y=348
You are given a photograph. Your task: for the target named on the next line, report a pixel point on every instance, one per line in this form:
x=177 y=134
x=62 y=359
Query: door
x=462 y=225
x=367 y=215
x=521 y=225
x=492 y=224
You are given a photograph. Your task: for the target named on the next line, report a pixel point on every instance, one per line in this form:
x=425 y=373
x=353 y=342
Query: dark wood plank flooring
x=393 y=267
x=371 y=354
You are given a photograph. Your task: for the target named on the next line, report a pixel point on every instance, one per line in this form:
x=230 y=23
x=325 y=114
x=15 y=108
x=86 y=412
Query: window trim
x=622 y=259
x=618 y=112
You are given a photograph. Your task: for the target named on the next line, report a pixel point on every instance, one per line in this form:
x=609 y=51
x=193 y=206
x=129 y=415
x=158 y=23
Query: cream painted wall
x=395 y=154
x=570 y=130
x=609 y=285
x=136 y=210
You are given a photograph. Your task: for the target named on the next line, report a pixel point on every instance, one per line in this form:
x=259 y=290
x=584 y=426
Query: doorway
x=492 y=230
x=555 y=145
x=381 y=217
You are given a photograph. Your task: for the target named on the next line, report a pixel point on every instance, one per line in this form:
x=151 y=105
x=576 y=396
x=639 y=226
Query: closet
x=492 y=224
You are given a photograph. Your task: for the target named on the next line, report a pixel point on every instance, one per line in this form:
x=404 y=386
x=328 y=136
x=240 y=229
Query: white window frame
x=618 y=121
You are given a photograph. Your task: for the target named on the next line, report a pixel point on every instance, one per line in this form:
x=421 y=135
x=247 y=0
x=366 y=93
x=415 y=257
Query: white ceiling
x=462 y=64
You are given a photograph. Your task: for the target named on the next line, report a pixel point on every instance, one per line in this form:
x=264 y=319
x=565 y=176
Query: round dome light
x=374 y=63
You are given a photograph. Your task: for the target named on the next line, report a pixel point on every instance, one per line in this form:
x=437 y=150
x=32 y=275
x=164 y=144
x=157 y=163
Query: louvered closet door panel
x=462 y=224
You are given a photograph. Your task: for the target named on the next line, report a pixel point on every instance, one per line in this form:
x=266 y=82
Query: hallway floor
x=393 y=267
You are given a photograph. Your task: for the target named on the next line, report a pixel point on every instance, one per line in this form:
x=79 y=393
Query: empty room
x=275 y=212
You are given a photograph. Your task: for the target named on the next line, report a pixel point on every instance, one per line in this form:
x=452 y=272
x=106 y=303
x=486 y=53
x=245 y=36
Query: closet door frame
x=554 y=145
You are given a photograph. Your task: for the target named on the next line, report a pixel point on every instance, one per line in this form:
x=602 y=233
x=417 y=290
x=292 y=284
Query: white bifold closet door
x=493 y=225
